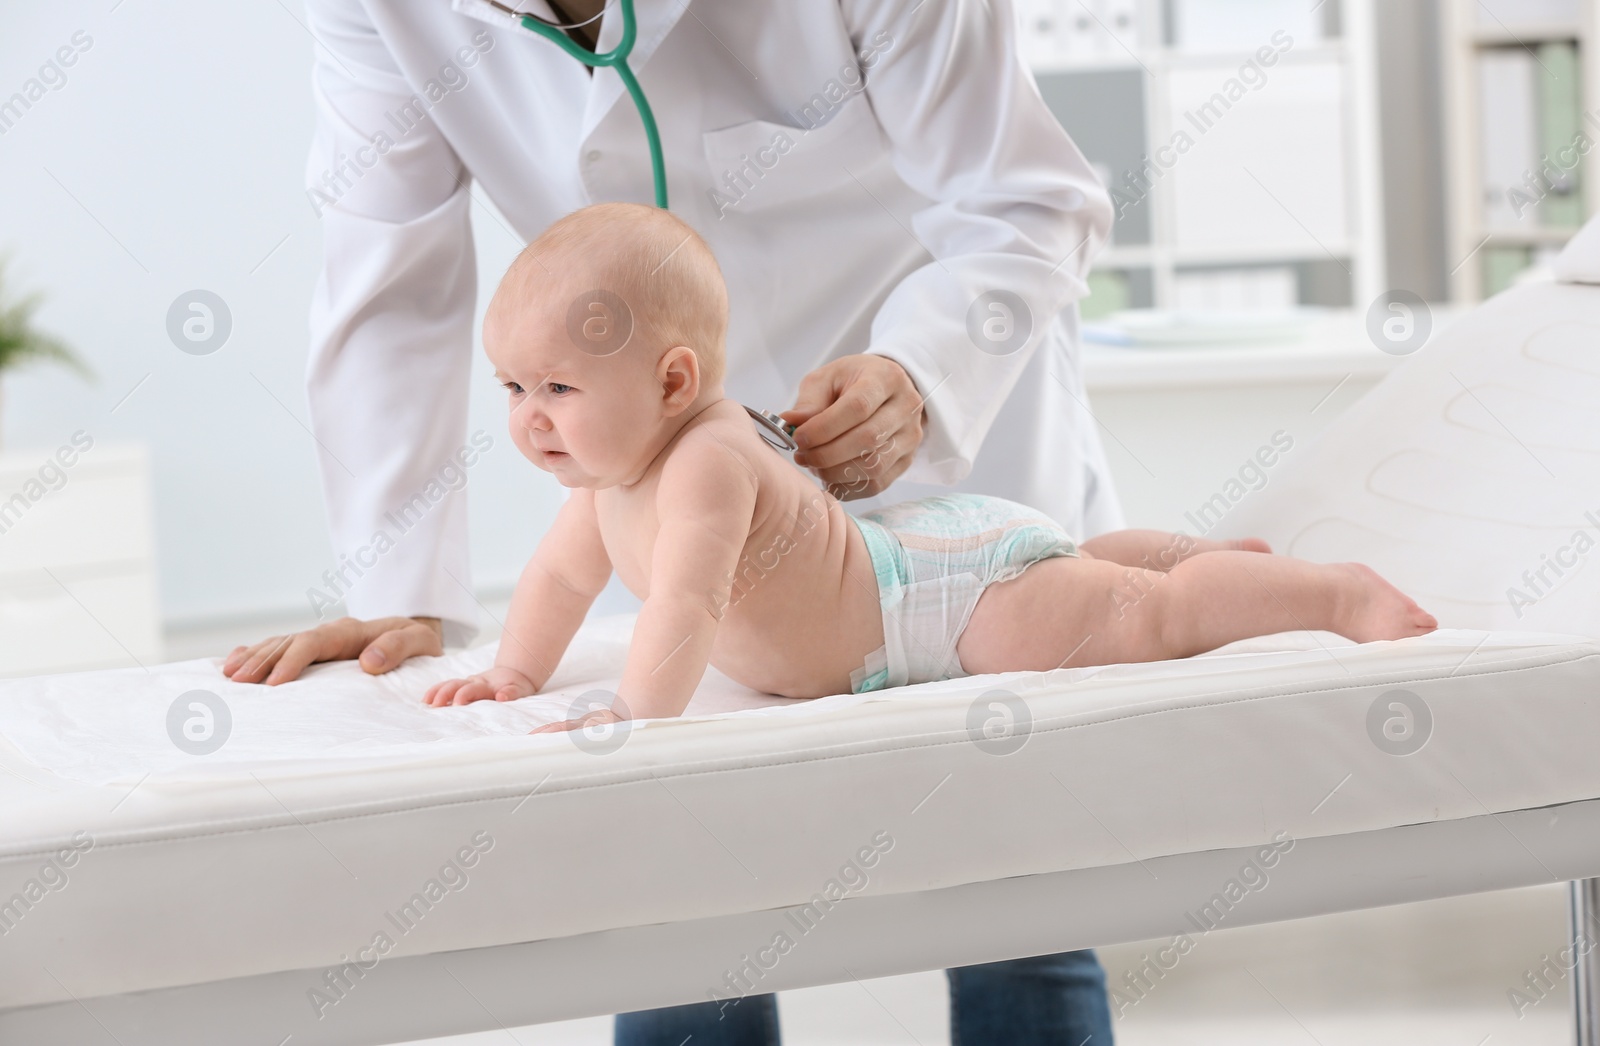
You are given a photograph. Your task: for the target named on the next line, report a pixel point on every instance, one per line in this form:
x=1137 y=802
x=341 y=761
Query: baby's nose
x=530 y=417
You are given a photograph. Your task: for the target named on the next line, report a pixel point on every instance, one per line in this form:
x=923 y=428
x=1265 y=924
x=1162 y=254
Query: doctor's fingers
x=892 y=432
x=239 y=655
x=247 y=664
x=326 y=642
x=842 y=394
x=381 y=644
x=394 y=639
x=851 y=481
x=865 y=476
x=281 y=659
x=856 y=406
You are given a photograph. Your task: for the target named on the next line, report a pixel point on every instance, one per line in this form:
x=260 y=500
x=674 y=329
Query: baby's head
x=608 y=332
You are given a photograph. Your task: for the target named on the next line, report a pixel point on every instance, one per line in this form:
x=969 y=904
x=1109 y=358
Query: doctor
x=904 y=228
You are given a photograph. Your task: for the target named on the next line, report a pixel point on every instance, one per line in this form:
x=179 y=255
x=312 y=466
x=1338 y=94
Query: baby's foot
x=1374 y=609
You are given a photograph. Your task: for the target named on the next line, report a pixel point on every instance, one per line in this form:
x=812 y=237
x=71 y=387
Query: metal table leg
x=1585 y=909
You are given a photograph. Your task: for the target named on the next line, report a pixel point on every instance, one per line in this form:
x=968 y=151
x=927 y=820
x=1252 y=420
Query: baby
x=608 y=330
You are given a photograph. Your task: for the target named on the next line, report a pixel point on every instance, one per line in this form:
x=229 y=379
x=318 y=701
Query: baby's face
x=587 y=415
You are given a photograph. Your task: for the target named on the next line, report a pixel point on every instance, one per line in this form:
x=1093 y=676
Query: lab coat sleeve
x=1015 y=207
x=391 y=332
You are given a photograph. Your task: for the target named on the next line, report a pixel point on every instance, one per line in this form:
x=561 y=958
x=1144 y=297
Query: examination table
x=352 y=867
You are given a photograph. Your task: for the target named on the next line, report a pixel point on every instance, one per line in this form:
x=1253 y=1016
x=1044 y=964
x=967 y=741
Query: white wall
x=171 y=159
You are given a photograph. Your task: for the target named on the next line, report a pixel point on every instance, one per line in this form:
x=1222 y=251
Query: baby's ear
x=678 y=371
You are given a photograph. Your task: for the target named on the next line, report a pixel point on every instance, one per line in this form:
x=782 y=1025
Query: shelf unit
x=1468 y=28
x=1153 y=257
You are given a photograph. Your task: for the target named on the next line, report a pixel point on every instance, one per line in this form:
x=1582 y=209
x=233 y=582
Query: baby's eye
x=558 y=388
x=511 y=387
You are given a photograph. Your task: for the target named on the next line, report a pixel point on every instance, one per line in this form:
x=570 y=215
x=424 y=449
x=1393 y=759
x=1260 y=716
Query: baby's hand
x=500 y=683
x=598 y=717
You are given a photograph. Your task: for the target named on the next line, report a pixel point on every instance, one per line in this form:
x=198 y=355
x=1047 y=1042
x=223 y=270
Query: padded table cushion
x=453 y=829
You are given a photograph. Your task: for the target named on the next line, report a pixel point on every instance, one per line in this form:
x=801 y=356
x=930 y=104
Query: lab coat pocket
x=760 y=164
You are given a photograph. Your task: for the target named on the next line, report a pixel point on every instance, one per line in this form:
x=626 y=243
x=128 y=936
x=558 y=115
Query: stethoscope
x=778 y=433
x=495 y=12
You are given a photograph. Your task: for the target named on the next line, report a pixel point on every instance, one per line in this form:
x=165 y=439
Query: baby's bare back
x=801 y=608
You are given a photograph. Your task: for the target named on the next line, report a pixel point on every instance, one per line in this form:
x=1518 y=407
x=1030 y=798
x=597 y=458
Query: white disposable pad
x=99 y=727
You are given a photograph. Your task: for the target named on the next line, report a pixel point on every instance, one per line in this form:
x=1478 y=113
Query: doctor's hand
x=381 y=644
x=859 y=420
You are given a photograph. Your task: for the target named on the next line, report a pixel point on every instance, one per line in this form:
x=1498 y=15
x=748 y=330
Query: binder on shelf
x=1508 y=137
x=1560 y=105
x=1501 y=266
x=1108 y=293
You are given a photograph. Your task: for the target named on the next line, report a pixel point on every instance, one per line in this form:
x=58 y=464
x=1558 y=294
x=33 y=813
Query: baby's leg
x=1159 y=550
x=1076 y=612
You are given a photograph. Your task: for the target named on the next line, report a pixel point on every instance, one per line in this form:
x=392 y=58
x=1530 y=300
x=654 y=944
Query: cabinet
x=1238 y=139
x=77 y=559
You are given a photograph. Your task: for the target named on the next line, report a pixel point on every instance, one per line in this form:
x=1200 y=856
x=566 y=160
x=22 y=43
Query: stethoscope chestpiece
x=778 y=433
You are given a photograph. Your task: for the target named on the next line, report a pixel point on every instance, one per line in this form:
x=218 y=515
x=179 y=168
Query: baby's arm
x=704 y=506
x=555 y=591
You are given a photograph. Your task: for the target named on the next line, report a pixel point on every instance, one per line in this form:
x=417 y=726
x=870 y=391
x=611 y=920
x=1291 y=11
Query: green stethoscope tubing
x=617 y=58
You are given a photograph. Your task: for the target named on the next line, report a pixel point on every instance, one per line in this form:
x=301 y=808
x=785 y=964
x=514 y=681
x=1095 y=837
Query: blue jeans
x=1054 y=999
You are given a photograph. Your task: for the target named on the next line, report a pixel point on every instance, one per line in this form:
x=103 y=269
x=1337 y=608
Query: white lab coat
x=935 y=177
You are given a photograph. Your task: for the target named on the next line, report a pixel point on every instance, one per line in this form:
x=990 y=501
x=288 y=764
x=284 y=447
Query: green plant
x=22 y=342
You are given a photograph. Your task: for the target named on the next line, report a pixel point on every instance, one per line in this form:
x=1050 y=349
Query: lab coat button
x=592 y=155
